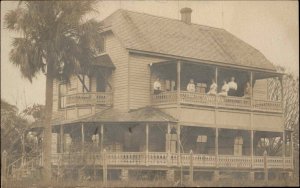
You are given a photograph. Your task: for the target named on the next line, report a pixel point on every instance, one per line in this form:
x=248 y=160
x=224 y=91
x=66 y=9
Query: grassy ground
x=161 y=183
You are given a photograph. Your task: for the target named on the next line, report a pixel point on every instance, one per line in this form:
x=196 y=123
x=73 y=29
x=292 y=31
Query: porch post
x=283 y=148
x=82 y=138
x=101 y=139
x=216 y=79
x=216 y=75
x=217 y=147
x=281 y=91
x=3 y=166
x=266 y=172
x=191 y=170
x=168 y=144
x=178 y=141
x=178 y=81
x=292 y=151
x=147 y=143
x=252 y=149
x=61 y=139
x=251 y=85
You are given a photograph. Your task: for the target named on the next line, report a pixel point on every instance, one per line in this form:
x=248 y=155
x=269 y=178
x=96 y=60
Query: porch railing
x=165 y=98
x=267 y=105
x=204 y=99
x=172 y=159
x=90 y=98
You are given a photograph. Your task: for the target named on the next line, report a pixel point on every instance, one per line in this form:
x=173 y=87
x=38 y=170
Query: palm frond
x=25 y=56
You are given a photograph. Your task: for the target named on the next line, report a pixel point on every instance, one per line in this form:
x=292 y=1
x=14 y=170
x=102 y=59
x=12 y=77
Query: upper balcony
x=203 y=99
x=264 y=96
x=85 y=99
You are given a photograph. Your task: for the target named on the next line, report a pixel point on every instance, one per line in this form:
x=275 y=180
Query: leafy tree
x=36 y=111
x=13 y=126
x=57 y=38
x=290 y=96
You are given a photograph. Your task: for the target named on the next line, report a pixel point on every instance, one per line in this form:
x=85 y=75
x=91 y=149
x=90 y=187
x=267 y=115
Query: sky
x=272 y=27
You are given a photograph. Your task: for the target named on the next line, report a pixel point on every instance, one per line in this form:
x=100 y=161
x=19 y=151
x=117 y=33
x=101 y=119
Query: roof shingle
x=143 y=32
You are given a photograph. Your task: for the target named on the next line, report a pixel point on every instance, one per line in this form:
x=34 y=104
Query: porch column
x=168 y=149
x=217 y=147
x=216 y=75
x=251 y=85
x=252 y=149
x=281 y=91
x=283 y=148
x=124 y=174
x=292 y=150
x=178 y=81
x=61 y=139
x=178 y=142
x=266 y=172
x=216 y=79
x=101 y=139
x=82 y=137
x=147 y=143
x=3 y=166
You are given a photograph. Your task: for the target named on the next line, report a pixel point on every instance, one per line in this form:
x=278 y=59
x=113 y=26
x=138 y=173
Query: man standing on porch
x=157 y=86
x=232 y=87
x=191 y=86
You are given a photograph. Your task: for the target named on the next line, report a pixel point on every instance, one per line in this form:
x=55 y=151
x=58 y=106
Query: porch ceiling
x=259 y=73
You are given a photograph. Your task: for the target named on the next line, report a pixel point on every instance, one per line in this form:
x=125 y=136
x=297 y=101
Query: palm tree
x=57 y=37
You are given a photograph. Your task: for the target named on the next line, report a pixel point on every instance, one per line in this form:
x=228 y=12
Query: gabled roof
x=148 y=33
x=111 y=115
x=104 y=61
x=146 y=114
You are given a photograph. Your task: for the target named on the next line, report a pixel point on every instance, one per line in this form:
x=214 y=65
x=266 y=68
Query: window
x=100 y=84
x=99 y=47
x=62 y=92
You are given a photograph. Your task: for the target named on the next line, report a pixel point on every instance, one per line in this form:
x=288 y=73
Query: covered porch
x=149 y=138
x=175 y=76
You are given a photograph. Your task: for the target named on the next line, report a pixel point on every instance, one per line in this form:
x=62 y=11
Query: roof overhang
x=173 y=59
x=104 y=60
x=111 y=116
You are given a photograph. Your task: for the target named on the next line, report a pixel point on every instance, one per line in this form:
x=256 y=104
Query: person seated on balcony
x=213 y=88
x=191 y=86
x=232 y=87
x=225 y=89
x=247 y=90
x=157 y=86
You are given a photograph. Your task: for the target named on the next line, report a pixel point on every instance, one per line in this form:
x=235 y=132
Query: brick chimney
x=186 y=14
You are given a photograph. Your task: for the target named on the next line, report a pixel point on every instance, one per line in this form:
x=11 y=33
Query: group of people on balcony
x=228 y=89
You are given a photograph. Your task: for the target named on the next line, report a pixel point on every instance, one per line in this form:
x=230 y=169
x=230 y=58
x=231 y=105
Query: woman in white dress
x=225 y=89
x=213 y=88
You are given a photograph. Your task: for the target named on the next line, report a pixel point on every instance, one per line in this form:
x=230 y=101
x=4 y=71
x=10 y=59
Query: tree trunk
x=47 y=125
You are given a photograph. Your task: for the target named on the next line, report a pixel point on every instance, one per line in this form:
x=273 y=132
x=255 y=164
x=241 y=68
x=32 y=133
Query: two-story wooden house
x=110 y=121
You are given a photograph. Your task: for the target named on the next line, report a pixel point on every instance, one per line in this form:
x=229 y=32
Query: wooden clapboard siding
x=72 y=87
x=119 y=80
x=139 y=80
x=260 y=89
